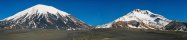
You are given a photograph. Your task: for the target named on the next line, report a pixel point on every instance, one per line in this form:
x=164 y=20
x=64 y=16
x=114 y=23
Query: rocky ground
x=93 y=34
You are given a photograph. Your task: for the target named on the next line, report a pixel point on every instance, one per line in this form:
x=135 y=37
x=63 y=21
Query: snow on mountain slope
x=38 y=9
x=142 y=18
x=108 y=25
x=43 y=16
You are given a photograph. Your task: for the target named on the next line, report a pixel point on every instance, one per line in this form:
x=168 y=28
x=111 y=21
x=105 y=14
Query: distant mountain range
x=47 y=17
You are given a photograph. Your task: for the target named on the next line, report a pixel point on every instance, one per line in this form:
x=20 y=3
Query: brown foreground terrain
x=93 y=34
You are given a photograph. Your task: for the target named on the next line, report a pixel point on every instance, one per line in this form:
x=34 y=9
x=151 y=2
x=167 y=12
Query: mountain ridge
x=142 y=16
x=43 y=16
x=48 y=17
x=144 y=19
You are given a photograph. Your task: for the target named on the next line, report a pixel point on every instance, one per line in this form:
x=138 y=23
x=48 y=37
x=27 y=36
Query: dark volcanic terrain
x=93 y=34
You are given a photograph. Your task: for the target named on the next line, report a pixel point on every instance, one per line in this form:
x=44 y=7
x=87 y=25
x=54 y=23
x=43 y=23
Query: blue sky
x=97 y=12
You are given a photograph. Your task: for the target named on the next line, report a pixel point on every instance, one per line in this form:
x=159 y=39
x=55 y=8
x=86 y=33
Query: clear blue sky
x=97 y=12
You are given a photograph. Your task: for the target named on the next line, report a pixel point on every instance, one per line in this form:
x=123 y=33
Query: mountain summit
x=142 y=19
x=44 y=17
x=38 y=9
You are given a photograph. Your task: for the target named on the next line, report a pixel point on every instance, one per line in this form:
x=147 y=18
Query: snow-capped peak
x=144 y=17
x=44 y=8
x=44 y=17
x=38 y=9
x=141 y=14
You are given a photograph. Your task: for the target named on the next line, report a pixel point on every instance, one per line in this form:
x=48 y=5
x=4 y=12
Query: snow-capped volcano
x=39 y=10
x=139 y=19
x=43 y=16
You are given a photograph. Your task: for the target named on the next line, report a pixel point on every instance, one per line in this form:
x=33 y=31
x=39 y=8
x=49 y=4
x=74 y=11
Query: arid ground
x=93 y=34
